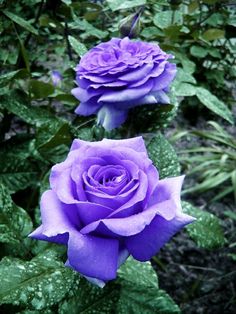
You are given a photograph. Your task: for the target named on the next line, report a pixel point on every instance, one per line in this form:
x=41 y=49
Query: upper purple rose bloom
x=120 y=74
x=107 y=202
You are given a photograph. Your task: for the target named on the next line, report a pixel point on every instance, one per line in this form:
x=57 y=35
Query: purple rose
x=120 y=74
x=56 y=78
x=107 y=202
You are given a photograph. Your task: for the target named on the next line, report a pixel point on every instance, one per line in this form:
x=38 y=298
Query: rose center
x=111 y=177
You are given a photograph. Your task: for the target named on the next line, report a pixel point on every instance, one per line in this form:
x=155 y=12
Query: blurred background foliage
x=37 y=125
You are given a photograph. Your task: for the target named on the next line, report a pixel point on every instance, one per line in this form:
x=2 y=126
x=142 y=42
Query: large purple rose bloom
x=107 y=202
x=120 y=74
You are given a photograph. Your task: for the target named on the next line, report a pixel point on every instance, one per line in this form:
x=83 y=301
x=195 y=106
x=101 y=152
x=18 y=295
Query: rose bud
x=130 y=25
x=56 y=78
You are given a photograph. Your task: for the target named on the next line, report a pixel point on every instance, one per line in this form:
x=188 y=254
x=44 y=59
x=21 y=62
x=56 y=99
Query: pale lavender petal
x=95 y=281
x=65 y=188
x=136 y=143
x=110 y=117
x=57 y=217
x=37 y=234
x=123 y=255
x=169 y=188
x=56 y=78
x=161 y=97
x=111 y=84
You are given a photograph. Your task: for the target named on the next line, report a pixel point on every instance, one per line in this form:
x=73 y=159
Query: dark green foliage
x=206 y=224
x=37 y=284
x=164 y=157
x=214 y=165
x=135 y=291
x=38 y=124
x=15 y=223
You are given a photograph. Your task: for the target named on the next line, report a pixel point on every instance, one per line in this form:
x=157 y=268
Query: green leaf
x=39 y=89
x=181 y=86
x=230 y=214
x=67 y=2
x=17 y=174
x=37 y=284
x=153 y=118
x=89 y=29
x=188 y=65
x=233 y=256
x=15 y=223
x=78 y=47
x=19 y=106
x=89 y=299
x=214 y=104
x=124 y=4
x=52 y=140
x=151 y=32
x=213 y=34
x=8 y=77
x=198 y=51
x=183 y=76
x=206 y=231
x=167 y=18
x=164 y=157
x=85 y=134
x=173 y=32
x=20 y=21
x=128 y=294
x=24 y=53
x=16 y=169
x=185 y=89
x=147 y=276
x=135 y=299
x=141 y=294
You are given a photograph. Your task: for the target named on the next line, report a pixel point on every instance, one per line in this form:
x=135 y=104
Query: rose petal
x=137 y=74
x=156 y=71
x=89 y=212
x=133 y=224
x=165 y=78
x=60 y=238
x=57 y=218
x=88 y=108
x=84 y=95
x=93 y=256
x=148 y=242
x=110 y=117
x=110 y=201
x=127 y=94
x=135 y=203
x=136 y=143
x=65 y=188
x=82 y=165
x=169 y=188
